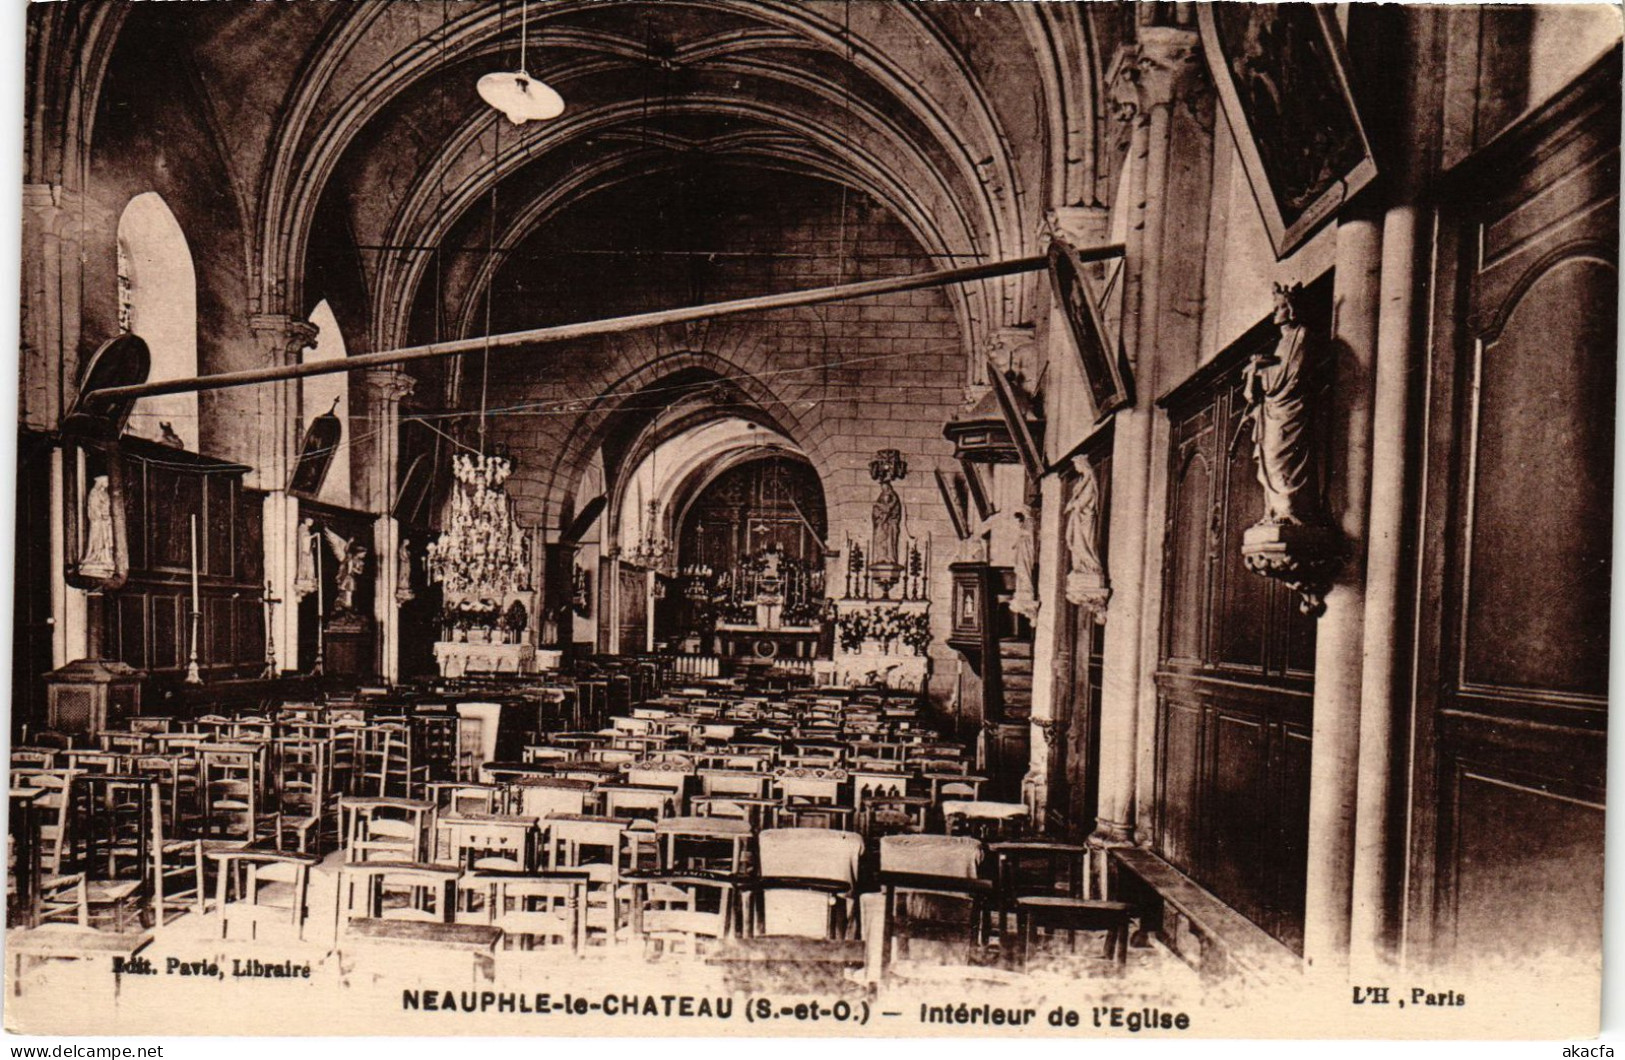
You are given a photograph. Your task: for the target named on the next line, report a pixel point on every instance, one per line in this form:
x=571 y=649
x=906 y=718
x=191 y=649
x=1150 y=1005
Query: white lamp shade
x=521 y=97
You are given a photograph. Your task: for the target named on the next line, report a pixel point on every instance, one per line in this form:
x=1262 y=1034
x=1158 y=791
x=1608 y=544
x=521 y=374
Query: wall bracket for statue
x=1294 y=543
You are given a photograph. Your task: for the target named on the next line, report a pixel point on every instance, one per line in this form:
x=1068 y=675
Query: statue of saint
x=304 y=575
x=352 y=560
x=888 y=524
x=1025 y=600
x=1082 y=512
x=98 y=560
x=1274 y=386
x=403 y=573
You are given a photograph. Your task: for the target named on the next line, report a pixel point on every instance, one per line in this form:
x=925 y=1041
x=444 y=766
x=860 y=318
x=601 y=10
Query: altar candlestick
x=194 y=674
x=194 y=565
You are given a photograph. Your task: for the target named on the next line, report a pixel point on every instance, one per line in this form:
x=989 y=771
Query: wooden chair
x=706 y=844
x=386 y=829
x=125 y=743
x=457 y=796
x=1054 y=914
x=807 y=883
x=384 y=760
x=637 y=803
x=232 y=789
x=33 y=758
x=987 y=821
x=415 y=893
x=598 y=848
x=114 y=839
x=305 y=795
x=262 y=887
x=672 y=912
x=547 y=908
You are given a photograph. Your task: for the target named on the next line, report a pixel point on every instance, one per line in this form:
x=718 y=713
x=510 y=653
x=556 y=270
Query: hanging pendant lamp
x=515 y=93
x=520 y=97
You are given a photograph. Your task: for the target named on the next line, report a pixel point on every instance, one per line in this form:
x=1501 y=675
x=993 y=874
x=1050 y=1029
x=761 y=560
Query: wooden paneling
x=146 y=623
x=1510 y=707
x=1235 y=678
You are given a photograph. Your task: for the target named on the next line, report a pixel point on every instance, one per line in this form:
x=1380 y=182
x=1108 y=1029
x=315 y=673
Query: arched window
x=157 y=294
x=318 y=394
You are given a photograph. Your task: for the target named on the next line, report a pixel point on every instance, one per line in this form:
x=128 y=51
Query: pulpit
x=92 y=695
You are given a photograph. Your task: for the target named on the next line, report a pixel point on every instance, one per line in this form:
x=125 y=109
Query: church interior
x=814 y=491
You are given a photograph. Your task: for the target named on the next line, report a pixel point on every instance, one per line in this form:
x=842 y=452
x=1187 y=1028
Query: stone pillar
x=52 y=279
x=1047 y=634
x=375 y=479
x=1159 y=85
x=1378 y=824
x=273 y=449
x=1069 y=416
x=1339 y=638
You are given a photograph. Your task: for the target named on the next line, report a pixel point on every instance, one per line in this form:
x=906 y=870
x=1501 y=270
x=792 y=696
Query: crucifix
x=270 y=603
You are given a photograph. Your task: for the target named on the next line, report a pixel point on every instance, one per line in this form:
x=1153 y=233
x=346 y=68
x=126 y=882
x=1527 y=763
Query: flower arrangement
x=470 y=614
x=887 y=625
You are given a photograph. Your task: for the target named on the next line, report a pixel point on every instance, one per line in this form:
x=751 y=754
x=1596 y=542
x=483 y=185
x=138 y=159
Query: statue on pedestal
x=98 y=559
x=1025 y=601
x=352 y=564
x=1276 y=391
x=304 y=577
x=1086 y=574
x=1293 y=542
x=887 y=467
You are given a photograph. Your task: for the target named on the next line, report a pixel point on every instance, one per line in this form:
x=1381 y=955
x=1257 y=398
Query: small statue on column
x=1276 y=392
x=403 y=573
x=1025 y=601
x=1292 y=543
x=1086 y=574
x=887 y=467
x=98 y=559
x=304 y=577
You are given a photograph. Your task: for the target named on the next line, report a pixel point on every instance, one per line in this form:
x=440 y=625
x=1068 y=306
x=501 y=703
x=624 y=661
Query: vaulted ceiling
x=363 y=162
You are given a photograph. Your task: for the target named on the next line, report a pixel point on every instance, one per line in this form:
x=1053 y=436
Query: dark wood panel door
x=1511 y=706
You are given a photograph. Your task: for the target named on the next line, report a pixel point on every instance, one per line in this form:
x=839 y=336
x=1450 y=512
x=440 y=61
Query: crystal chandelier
x=652 y=551
x=483 y=552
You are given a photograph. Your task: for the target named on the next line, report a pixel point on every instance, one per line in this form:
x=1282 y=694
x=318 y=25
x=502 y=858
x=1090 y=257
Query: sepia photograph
x=835 y=519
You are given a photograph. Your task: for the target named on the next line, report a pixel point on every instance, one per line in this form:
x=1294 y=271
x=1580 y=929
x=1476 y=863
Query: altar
x=459 y=659
x=751 y=642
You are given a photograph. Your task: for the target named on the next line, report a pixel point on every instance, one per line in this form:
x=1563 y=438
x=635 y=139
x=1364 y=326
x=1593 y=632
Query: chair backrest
x=810 y=853
x=639 y=802
x=935 y=855
x=733 y=782
x=809 y=782
x=545 y=796
x=495 y=842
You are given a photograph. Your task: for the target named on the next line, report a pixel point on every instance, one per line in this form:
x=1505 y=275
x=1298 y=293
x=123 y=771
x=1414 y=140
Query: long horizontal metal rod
x=590 y=328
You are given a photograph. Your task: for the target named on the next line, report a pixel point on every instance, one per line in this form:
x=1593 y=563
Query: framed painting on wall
x=1281 y=74
x=1099 y=352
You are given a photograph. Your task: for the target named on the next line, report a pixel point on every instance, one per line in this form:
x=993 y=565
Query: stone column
x=1070 y=417
x=1339 y=638
x=52 y=277
x=375 y=479
x=1421 y=45
x=1160 y=76
x=274 y=447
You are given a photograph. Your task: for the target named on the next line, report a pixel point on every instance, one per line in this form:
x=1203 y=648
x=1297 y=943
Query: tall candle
x=195 y=608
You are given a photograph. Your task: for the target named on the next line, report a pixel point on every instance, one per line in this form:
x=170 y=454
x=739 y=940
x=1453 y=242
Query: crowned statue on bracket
x=1293 y=542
